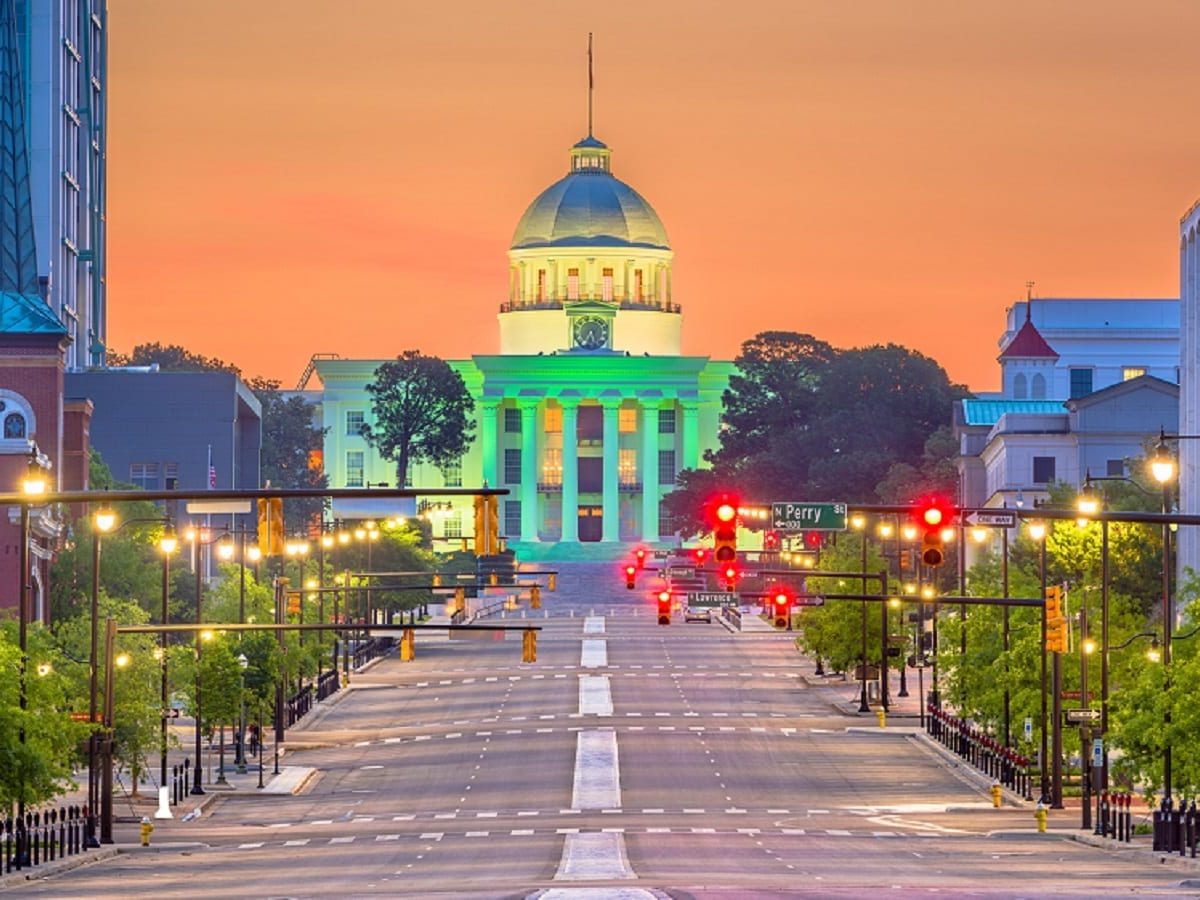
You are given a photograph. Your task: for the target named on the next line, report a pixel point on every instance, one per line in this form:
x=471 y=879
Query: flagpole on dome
x=591 y=84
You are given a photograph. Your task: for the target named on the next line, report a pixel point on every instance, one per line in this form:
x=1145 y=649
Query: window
x=666 y=520
x=666 y=421
x=606 y=284
x=541 y=285
x=512 y=519
x=553 y=419
x=512 y=420
x=144 y=475
x=572 y=284
x=1081 y=382
x=1019 y=390
x=171 y=476
x=1043 y=469
x=354 y=422
x=512 y=466
x=354 y=468
x=627 y=420
x=1115 y=468
x=552 y=466
x=452 y=474
x=453 y=525
x=626 y=466
x=14 y=425
x=1037 y=389
x=666 y=467
x=1131 y=372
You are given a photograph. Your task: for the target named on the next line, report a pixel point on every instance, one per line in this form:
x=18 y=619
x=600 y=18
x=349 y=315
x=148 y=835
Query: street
x=631 y=760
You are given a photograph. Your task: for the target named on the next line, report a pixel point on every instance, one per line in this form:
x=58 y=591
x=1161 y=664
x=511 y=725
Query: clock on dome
x=590 y=332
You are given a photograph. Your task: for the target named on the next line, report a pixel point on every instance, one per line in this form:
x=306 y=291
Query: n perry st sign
x=800 y=516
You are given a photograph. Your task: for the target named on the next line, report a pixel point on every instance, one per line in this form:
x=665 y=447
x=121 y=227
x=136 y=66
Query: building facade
x=589 y=411
x=63 y=48
x=1189 y=387
x=1085 y=385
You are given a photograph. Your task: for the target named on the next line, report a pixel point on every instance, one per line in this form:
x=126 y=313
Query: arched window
x=14 y=425
x=1019 y=387
x=1038 y=387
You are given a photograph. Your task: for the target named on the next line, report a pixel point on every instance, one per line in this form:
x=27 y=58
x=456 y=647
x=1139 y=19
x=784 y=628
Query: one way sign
x=993 y=518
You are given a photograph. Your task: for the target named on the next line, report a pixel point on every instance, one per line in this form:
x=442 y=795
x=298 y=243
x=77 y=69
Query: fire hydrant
x=1040 y=815
x=882 y=717
x=147 y=828
x=996 y=793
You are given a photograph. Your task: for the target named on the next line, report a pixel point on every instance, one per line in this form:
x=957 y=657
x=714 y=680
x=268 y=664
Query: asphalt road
x=631 y=760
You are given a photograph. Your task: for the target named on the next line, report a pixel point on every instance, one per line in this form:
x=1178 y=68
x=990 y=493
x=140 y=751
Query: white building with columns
x=589 y=411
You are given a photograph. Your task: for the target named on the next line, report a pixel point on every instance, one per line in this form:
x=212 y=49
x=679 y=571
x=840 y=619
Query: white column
x=487 y=441
x=691 y=436
x=650 y=496
x=611 y=529
x=570 y=468
x=529 y=472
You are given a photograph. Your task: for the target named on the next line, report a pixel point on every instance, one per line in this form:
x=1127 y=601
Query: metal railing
x=1002 y=764
x=41 y=837
x=733 y=615
x=368 y=650
x=1115 y=819
x=327 y=684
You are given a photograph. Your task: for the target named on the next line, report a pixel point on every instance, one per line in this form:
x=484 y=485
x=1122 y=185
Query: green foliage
x=421 y=408
x=290 y=445
x=833 y=632
x=170 y=358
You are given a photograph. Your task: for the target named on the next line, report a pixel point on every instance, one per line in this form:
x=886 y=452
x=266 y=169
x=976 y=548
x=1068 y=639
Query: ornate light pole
x=167 y=544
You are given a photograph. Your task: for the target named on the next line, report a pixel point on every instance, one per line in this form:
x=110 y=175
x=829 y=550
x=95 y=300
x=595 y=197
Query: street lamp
x=1037 y=531
x=167 y=544
x=198 y=544
x=102 y=522
x=240 y=762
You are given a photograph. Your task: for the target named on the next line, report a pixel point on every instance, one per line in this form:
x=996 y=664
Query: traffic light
x=630 y=577
x=270 y=526
x=730 y=574
x=293 y=603
x=813 y=540
x=664 y=607
x=1056 y=621
x=781 y=605
x=639 y=556
x=933 y=517
x=487 y=526
x=723 y=513
x=770 y=541
x=700 y=554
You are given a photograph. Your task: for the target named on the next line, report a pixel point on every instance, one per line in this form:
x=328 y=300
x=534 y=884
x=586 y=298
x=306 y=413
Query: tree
x=170 y=358
x=421 y=409
x=291 y=448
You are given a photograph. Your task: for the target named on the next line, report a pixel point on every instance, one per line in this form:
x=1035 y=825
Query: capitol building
x=590 y=410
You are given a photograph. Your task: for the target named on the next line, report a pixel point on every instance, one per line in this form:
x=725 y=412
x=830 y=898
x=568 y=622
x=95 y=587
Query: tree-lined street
x=721 y=761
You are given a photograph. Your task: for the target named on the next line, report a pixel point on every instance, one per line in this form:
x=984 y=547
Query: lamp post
x=102 y=522
x=1037 y=531
x=240 y=762
x=1163 y=468
x=167 y=544
x=859 y=523
x=198 y=545
x=909 y=532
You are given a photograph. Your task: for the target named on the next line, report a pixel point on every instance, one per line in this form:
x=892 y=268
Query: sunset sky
x=290 y=178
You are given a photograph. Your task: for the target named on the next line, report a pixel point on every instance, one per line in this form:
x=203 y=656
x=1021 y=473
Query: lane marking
x=593 y=625
x=593 y=857
x=597 y=772
x=593 y=654
x=595 y=695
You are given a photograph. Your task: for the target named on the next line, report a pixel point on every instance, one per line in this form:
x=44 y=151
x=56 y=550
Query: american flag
x=212 y=477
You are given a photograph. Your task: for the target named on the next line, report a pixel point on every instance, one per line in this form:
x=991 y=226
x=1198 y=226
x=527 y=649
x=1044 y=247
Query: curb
x=968 y=772
x=1141 y=854
x=46 y=870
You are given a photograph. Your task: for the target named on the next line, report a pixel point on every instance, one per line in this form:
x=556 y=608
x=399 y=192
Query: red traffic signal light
x=730 y=574
x=933 y=515
x=630 y=576
x=640 y=556
x=664 y=607
x=813 y=540
x=723 y=514
x=770 y=540
x=781 y=601
x=700 y=554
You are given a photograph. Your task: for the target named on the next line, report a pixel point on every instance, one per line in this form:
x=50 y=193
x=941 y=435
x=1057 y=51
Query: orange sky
x=287 y=178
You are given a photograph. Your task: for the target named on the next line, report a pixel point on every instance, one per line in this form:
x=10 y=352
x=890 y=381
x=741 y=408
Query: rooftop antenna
x=591 y=84
x=1029 y=301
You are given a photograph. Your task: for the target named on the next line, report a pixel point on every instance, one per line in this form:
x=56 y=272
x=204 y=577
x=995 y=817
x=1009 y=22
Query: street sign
x=709 y=598
x=661 y=554
x=800 y=516
x=1028 y=728
x=1079 y=716
x=1077 y=695
x=809 y=600
x=681 y=572
x=83 y=717
x=170 y=713
x=1097 y=752
x=989 y=517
